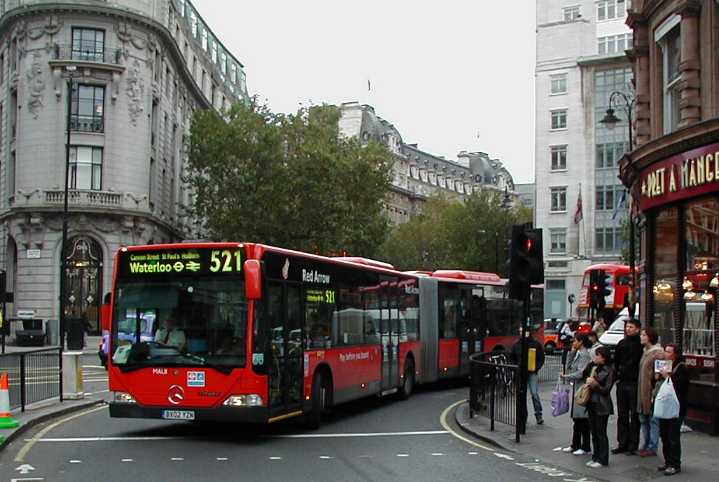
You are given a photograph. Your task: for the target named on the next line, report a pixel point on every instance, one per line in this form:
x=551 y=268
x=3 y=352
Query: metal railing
x=493 y=388
x=87 y=123
x=552 y=367
x=34 y=376
x=95 y=54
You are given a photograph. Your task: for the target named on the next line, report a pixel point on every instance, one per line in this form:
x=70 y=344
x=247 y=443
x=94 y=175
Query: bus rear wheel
x=408 y=381
x=319 y=402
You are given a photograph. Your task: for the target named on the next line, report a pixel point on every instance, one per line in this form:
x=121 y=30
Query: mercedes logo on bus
x=176 y=394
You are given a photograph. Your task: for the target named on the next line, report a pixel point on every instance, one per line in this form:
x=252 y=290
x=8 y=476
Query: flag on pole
x=579 y=214
x=369 y=85
x=622 y=203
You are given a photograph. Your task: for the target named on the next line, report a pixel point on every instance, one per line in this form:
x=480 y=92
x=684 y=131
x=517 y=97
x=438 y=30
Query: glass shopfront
x=666 y=240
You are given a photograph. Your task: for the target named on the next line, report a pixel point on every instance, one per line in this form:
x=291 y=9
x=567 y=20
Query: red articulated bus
x=618 y=281
x=249 y=332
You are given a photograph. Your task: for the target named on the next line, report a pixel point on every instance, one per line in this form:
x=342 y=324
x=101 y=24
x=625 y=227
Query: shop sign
x=686 y=175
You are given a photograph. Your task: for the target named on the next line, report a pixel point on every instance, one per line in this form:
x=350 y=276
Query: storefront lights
x=714 y=283
x=687 y=285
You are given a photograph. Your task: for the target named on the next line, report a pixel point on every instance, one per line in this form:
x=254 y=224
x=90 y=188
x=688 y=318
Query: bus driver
x=171 y=335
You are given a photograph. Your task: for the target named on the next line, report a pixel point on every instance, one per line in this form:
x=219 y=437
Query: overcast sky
x=451 y=75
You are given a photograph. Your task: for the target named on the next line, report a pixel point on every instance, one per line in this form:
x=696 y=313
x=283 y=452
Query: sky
x=450 y=75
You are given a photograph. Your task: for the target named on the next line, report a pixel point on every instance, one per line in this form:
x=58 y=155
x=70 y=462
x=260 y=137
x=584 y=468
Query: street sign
x=34 y=254
x=26 y=314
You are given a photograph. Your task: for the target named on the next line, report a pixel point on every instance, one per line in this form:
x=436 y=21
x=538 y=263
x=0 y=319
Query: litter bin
x=75 y=333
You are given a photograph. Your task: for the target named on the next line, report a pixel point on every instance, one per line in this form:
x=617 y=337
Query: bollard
x=72 y=382
x=6 y=420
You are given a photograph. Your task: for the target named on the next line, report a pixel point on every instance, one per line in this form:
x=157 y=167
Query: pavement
x=543 y=442
x=95 y=393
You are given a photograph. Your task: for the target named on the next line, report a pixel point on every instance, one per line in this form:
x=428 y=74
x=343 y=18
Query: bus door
x=473 y=312
x=389 y=337
x=286 y=358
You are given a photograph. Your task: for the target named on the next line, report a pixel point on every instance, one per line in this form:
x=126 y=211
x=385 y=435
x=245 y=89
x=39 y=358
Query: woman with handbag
x=670 y=428
x=577 y=361
x=600 y=378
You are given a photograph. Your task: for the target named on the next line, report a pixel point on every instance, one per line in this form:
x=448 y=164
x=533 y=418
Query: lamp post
x=610 y=120
x=63 y=268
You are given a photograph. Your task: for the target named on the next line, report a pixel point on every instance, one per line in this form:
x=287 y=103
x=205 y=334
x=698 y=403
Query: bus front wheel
x=408 y=381
x=319 y=401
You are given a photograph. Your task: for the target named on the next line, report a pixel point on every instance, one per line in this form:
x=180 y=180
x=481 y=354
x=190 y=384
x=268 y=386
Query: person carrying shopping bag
x=674 y=383
x=577 y=361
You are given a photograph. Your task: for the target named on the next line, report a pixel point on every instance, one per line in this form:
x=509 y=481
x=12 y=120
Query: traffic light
x=605 y=288
x=526 y=260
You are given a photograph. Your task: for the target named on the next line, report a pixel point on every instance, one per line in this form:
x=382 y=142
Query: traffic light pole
x=522 y=414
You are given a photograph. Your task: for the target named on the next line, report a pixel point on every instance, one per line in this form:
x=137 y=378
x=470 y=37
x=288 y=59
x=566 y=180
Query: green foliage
x=288 y=180
x=452 y=235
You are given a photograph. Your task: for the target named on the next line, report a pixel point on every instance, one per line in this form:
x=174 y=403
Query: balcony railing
x=87 y=198
x=83 y=123
x=99 y=55
x=81 y=198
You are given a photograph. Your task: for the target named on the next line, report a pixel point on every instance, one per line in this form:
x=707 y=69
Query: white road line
x=443 y=421
x=99 y=391
x=472 y=453
x=127 y=460
x=177 y=459
x=503 y=456
x=295 y=436
x=94 y=366
x=325 y=457
x=437 y=454
x=75 y=461
x=221 y=459
x=275 y=458
x=402 y=455
x=26 y=479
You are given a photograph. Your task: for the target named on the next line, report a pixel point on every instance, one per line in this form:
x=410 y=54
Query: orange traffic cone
x=6 y=420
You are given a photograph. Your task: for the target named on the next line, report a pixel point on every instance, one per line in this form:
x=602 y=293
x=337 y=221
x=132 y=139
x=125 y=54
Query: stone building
x=673 y=176
x=581 y=61
x=418 y=174
x=125 y=77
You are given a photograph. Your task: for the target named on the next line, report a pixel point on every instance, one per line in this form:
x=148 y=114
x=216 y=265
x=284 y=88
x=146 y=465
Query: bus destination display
x=181 y=262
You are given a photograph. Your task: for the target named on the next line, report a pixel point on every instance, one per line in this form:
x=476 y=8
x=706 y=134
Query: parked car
x=552 y=328
x=615 y=332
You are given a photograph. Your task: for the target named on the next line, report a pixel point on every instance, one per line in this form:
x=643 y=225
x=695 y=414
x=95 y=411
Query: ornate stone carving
x=22 y=32
x=135 y=92
x=28 y=230
x=36 y=84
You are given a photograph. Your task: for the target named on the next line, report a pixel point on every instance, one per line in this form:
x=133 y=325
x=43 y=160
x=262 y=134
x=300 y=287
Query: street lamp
x=70 y=69
x=620 y=100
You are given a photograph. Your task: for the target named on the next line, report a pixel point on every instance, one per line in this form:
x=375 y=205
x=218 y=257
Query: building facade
x=580 y=202
x=673 y=176
x=418 y=174
x=123 y=78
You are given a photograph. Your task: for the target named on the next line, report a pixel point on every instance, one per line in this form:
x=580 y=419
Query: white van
x=615 y=332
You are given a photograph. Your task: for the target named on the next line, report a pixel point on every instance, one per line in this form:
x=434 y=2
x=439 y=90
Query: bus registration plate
x=178 y=414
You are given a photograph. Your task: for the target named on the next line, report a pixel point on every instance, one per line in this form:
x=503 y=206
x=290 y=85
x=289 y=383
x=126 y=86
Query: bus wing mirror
x=253 y=279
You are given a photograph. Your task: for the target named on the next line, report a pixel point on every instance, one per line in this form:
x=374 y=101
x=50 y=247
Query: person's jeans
x=627 y=416
x=580 y=435
x=600 y=440
x=650 y=431
x=670 y=431
x=533 y=385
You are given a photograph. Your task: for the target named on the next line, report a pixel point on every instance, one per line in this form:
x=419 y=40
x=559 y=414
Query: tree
x=470 y=235
x=289 y=180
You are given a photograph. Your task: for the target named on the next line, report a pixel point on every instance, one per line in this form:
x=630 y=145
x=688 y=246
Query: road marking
x=367 y=434
x=75 y=461
x=443 y=421
x=437 y=454
x=503 y=456
x=103 y=439
x=472 y=453
x=26 y=479
x=177 y=459
x=402 y=455
x=275 y=458
x=99 y=391
x=127 y=460
x=94 y=366
x=221 y=459
x=325 y=457
x=20 y=457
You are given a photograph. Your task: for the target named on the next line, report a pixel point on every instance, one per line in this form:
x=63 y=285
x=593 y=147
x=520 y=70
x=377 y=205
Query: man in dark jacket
x=533 y=378
x=626 y=369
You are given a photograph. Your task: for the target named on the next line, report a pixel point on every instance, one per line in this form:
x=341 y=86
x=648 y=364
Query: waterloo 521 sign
x=686 y=175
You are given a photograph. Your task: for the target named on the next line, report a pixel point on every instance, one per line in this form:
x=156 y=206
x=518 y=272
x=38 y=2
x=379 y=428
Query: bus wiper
x=226 y=370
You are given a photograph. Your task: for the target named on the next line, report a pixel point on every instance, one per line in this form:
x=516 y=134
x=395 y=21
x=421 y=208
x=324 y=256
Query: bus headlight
x=251 y=400
x=123 y=397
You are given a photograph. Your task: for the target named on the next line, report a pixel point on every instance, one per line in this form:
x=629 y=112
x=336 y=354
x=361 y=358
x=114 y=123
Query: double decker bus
x=261 y=334
x=617 y=279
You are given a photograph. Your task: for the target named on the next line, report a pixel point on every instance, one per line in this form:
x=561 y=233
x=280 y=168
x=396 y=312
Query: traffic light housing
x=605 y=288
x=526 y=260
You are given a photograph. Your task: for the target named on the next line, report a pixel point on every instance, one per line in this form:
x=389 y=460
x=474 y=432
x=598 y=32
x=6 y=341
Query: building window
x=702 y=257
x=214 y=51
x=608 y=154
x=88 y=103
x=559 y=119
x=559 y=157
x=223 y=63
x=193 y=23
x=607 y=197
x=611 y=9
x=233 y=73
x=559 y=84
x=670 y=45
x=204 y=38
x=558 y=241
x=2 y=68
x=13 y=55
x=613 y=44
x=555 y=284
x=88 y=44
x=607 y=240
x=86 y=167
x=665 y=290
x=559 y=199
x=571 y=13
